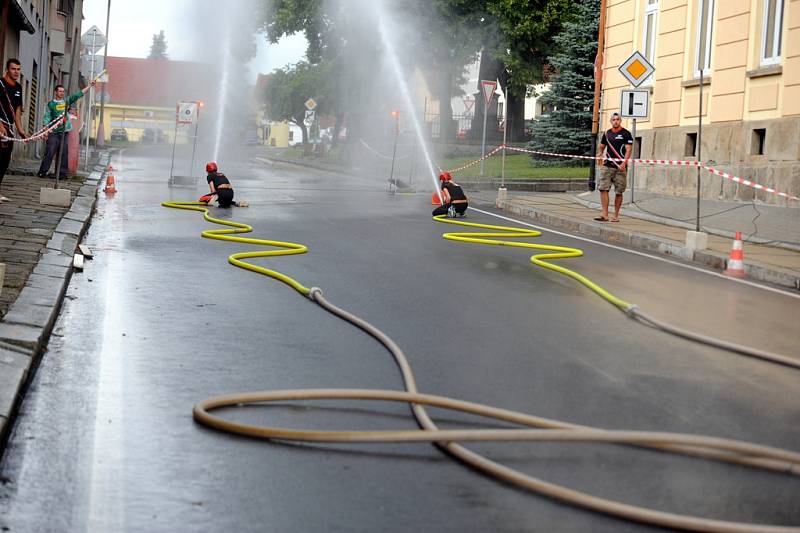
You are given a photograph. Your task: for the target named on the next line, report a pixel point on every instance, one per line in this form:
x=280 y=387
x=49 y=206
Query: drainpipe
x=598 y=83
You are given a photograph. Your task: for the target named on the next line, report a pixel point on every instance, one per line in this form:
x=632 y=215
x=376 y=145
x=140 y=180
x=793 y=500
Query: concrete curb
x=26 y=327
x=649 y=243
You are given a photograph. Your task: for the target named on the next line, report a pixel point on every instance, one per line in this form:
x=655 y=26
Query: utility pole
x=88 y=117
x=101 y=133
x=598 y=87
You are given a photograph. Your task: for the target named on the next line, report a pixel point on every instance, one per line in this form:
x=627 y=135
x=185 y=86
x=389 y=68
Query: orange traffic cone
x=736 y=261
x=110 y=184
x=435 y=200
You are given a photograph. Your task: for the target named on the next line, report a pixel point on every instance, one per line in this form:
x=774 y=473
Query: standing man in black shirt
x=10 y=114
x=617 y=143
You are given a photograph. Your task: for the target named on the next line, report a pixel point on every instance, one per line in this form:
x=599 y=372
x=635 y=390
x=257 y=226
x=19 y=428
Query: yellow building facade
x=749 y=53
x=135 y=120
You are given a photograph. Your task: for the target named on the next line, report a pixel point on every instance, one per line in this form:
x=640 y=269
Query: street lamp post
x=91 y=100
x=101 y=134
x=504 y=92
x=392 y=179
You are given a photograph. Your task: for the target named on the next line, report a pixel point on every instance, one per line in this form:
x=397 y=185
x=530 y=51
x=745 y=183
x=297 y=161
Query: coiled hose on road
x=738 y=452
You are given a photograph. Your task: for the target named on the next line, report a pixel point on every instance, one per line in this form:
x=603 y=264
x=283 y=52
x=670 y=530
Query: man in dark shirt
x=617 y=147
x=10 y=114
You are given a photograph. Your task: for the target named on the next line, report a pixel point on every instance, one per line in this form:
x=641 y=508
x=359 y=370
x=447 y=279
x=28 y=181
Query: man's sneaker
x=451 y=212
x=4 y=199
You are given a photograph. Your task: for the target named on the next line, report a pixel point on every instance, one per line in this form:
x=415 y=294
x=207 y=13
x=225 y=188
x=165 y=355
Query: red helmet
x=445 y=176
x=211 y=167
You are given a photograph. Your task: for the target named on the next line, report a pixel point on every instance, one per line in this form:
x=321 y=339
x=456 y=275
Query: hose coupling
x=313 y=292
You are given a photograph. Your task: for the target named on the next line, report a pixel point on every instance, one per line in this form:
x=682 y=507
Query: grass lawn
x=518 y=166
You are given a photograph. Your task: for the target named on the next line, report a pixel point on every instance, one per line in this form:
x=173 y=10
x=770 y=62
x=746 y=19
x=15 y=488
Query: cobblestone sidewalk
x=25 y=228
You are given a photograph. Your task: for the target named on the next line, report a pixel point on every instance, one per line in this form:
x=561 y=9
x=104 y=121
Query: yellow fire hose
x=743 y=453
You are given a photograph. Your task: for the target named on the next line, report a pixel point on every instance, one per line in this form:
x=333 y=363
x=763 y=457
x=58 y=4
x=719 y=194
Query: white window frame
x=650 y=10
x=712 y=7
x=772 y=57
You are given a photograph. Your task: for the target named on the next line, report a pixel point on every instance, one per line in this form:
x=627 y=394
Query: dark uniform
x=458 y=200
x=225 y=194
x=10 y=101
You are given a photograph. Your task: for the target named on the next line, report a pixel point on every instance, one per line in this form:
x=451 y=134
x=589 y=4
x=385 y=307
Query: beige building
x=749 y=51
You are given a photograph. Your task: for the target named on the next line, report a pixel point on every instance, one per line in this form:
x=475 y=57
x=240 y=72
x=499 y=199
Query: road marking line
x=654 y=257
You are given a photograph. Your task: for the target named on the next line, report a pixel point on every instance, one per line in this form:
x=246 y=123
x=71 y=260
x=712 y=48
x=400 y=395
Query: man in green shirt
x=57 y=108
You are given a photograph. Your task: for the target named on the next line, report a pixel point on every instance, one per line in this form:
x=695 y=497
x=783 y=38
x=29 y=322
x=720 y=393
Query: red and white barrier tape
x=48 y=128
x=487 y=156
x=37 y=135
x=651 y=162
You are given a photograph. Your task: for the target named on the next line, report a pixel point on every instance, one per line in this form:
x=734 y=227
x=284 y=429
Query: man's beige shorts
x=612 y=175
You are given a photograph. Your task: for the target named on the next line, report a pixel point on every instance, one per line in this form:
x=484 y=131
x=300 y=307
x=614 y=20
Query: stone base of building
x=765 y=152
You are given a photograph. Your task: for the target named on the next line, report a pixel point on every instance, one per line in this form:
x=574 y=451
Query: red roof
x=157 y=82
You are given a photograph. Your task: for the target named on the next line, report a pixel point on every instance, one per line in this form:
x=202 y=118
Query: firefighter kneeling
x=454 y=201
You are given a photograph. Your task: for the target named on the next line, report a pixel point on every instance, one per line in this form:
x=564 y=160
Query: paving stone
x=13 y=371
x=48 y=283
x=63 y=242
x=53 y=271
x=40 y=316
x=56 y=258
x=69 y=227
x=21 y=335
x=44 y=295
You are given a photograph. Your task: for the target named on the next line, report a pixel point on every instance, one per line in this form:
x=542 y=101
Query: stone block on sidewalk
x=57 y=197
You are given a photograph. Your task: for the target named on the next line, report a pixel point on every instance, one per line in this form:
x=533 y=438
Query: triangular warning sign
x=488 y=88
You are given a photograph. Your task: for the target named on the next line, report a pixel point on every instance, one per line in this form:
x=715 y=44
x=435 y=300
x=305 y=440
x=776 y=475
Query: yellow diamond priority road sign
x=637 y=69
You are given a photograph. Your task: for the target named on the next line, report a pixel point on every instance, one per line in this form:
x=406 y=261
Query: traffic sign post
x=637 y=69
x=634 y=104
x=487 y=87
x=185 y=113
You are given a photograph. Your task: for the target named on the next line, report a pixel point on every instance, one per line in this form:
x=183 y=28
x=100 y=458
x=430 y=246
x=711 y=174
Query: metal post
x=392 y=179
x=505 y=130
x=101 y=132
x=174 y=141
x=413 y=163
x=89 y=107
x=194 y=149
x=483 y=142
x=699 y=146
x=633 y=162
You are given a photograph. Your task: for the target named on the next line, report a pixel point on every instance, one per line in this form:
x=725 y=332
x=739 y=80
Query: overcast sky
x=133 y=23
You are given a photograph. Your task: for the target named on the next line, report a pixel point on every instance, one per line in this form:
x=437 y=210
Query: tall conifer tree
x=567 y=129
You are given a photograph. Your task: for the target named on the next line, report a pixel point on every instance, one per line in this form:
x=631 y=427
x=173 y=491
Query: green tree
x=158 y=50
x=567 y=129
x=288 y=90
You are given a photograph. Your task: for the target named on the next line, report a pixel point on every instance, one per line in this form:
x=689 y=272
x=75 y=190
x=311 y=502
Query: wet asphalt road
x=105 y=441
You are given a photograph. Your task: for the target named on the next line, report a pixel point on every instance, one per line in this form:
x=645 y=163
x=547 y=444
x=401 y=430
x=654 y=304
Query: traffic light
x=396 y=113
